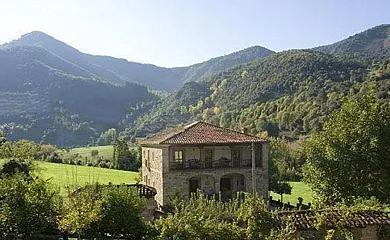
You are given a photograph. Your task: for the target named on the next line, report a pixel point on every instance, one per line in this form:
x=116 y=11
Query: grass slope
x=104 y=151
x=299 y=189
x=62 y=175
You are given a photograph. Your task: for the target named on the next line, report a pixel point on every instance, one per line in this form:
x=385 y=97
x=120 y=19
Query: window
x=178 y=157
x=148 y=159
x=145 y=179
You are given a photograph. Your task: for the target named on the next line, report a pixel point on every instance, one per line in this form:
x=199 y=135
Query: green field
x=104 y=151
x=299 y=189
x=62 y=175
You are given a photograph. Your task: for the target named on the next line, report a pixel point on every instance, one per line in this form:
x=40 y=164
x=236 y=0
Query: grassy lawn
x=104 y=151
x=299 y=189
x=62 y=175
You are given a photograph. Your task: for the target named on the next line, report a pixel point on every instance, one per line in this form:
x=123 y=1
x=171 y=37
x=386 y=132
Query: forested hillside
x=289 y=92
x=198 y=71
x=61 y=56
x=58 y=103
x=51 y=92
x=373 y=43
x=113 y=70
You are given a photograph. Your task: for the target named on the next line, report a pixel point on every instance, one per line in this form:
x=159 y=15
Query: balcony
x=220 y=163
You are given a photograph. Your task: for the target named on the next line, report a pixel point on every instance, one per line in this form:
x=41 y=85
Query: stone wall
x=176 y=182
x=369 y=233
x=152 y=174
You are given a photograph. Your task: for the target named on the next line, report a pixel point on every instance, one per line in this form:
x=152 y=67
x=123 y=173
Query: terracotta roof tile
x=305 y=220
x=200 y=133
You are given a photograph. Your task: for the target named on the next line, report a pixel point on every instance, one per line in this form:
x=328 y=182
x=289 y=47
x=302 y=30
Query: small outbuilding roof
x=306 y=220
x=200 y=133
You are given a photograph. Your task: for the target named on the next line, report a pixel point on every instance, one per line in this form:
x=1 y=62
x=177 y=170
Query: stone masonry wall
x=152 y=175
x=177 y=181
x=171 y=182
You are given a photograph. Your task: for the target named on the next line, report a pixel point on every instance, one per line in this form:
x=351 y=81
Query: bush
x=14 y=166
x=203 y=218
x=54 y=158
x=81 y=211
x=120 y=213
x=104 y=165
x=97 y=211
x=28 y=207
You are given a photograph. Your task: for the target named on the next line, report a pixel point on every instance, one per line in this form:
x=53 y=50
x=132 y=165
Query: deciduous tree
x=351 y=157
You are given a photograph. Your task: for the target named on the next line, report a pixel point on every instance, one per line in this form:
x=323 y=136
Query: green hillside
x=290 y=91
x=47 y=99
x=373 y=43
x=52 y=93
x=103 y=151
x=201 y=70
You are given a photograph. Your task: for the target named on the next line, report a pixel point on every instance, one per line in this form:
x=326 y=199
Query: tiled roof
x=306 y=220
x=200 y=133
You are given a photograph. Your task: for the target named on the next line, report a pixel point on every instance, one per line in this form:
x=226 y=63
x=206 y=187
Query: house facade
x=204 y=157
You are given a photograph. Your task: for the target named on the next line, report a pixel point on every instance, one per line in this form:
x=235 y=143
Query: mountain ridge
x=120 y=70
x=71 y=98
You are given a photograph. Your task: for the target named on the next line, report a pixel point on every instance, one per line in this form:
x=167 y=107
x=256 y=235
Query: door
x=226 y=184
x=208 y=157
x=194 y=185
x=236 y=156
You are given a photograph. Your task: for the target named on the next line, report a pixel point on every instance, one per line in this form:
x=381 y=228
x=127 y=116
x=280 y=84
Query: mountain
x=113 y=70
x=292 y=91
x=59 y=103
x=51 y=92
x=120 y=71
x=201 y=70
x=373 y=43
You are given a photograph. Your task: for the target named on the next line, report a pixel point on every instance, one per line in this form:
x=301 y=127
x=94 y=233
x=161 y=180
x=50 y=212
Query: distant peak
x=36 y=34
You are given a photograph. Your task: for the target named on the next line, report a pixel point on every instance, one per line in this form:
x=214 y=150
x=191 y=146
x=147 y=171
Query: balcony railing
x=220 y=163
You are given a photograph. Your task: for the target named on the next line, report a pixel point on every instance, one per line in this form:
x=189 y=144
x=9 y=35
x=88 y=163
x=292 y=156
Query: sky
x=172 y=33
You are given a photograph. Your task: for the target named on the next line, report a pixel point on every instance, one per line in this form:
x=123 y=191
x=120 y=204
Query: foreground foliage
x=351 y=157
x=203 y=218
x=28 y=207
x=102 y=211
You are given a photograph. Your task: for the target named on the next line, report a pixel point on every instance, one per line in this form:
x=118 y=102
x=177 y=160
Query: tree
x=14 y=166
x=28 y=207
x=24 y=149
x=2 y=139
x=108 y=137
x=82 y=210
x=351 y=157
x=120 y=213
x=282 y=188
x=124 y=158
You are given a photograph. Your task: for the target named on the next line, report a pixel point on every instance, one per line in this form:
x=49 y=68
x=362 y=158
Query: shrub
x=97 y=211
x=13 y=166
x=120 y=213
x=203 y=218
x=81 y=211
x=28 y=207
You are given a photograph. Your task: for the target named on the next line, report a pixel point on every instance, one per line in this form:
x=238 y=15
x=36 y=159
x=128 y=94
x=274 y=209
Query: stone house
x=204 y=157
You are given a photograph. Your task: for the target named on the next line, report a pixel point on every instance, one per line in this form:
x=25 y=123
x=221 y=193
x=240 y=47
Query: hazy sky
x=182 y=32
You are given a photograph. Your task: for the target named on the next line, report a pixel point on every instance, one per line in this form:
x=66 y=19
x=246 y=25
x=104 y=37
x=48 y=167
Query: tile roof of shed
x=200 y=133
x=306 y=220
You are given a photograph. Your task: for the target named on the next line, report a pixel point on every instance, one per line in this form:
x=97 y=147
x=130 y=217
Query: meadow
x=62 y=175
x=104 y=151
x=299 y=189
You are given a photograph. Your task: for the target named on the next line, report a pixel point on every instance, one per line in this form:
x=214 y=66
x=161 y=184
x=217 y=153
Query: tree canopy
x=351 y=157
